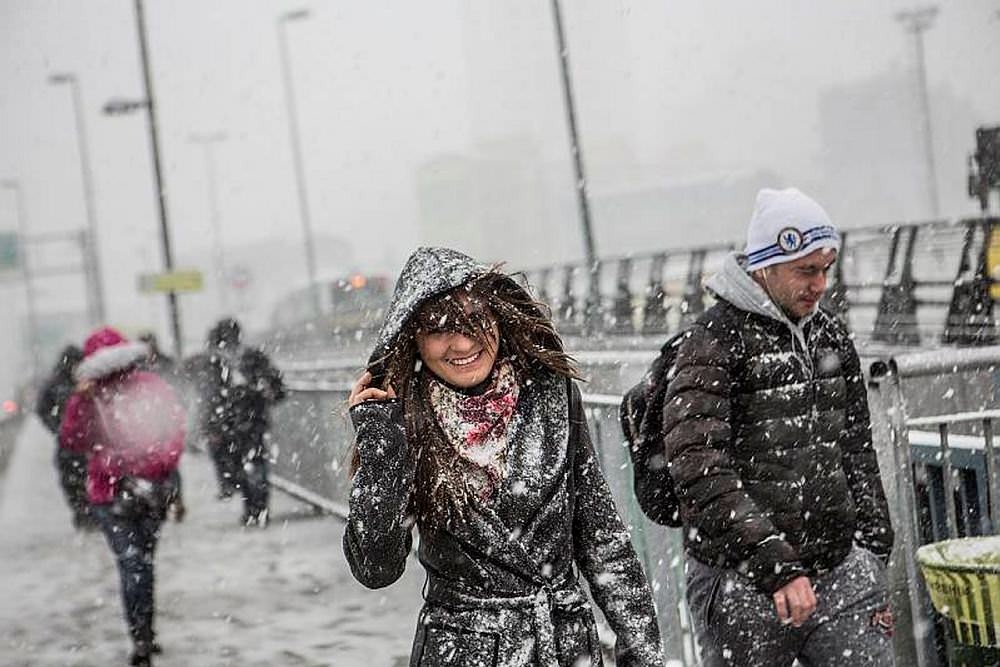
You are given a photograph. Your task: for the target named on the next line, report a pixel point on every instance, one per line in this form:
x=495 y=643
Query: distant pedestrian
x=237 y=386
x=130 y=425
x=156 y=360
x=768 y=442
x=72 y=467
x=470 y=427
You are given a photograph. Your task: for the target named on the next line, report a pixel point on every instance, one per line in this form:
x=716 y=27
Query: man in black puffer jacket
x=769 y=445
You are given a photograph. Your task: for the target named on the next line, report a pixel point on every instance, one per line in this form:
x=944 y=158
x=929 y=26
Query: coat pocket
x=462 y=647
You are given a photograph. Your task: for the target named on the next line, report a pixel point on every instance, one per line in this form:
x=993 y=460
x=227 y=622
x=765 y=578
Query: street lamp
x=95 y=279
x=293 y=130
x=29 y=290
x=915 y=22
x=593 y=304
x=208 y=142
x=119 y=106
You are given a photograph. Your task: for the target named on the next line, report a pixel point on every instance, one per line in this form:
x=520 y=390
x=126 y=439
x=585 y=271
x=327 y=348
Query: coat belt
x=565 y=596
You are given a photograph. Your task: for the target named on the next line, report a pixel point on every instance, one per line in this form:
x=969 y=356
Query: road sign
x=240 y=277
x=174 y=281
x=8 y=251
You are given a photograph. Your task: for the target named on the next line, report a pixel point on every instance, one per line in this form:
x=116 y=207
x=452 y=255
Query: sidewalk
x=226 y=595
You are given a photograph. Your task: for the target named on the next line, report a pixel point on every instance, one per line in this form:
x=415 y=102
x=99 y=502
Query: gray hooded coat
x=502 y=579
x=768 y=439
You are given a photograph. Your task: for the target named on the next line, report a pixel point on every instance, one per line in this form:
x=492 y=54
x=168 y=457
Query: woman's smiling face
x=450 y=351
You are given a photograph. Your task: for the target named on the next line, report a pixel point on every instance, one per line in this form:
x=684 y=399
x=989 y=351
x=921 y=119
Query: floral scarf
x=476 y=426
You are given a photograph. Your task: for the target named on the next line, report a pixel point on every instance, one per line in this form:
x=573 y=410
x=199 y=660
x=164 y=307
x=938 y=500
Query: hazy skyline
x=664 y=90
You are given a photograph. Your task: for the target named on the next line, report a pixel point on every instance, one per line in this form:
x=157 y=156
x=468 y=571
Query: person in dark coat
x=238 y=385
x=157 y=361
x=72 y=467
x=469 y=427
x=768 y=441
x=129 y=423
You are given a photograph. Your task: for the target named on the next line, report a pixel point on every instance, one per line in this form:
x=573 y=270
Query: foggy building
x=872 y=156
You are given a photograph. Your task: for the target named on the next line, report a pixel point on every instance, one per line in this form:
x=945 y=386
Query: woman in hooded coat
x=470 y=427
x=129 y=424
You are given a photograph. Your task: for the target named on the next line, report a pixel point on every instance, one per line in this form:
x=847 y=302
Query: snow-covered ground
x=225 y=595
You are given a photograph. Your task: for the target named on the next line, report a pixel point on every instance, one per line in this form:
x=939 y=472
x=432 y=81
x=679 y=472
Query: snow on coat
x=129 y=422
x=503 y=578
x=768 y=439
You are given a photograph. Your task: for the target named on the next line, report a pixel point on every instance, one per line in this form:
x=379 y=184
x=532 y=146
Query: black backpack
x=641 y=416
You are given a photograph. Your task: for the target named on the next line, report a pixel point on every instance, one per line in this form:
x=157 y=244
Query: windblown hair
x=527 y=339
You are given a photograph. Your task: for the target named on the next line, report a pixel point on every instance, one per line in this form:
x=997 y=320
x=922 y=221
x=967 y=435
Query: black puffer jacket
x=502 y=579
x=58 y=388
x=769 y=441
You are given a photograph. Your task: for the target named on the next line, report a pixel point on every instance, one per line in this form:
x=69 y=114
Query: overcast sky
x=681 y=88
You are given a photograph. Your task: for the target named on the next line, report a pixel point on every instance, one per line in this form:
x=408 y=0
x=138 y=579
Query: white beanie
x=785 y=226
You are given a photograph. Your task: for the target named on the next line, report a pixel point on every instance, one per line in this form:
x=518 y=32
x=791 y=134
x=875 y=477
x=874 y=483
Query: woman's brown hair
x=527 y=339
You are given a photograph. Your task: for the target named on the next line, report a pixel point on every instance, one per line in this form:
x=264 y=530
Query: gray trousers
x=736 y=624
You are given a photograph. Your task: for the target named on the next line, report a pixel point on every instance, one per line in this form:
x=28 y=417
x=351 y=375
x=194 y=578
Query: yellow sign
x=175 y=281
x=993 y=261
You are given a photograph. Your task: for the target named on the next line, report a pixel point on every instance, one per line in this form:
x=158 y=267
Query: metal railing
x=906 y=284
x=940 y=470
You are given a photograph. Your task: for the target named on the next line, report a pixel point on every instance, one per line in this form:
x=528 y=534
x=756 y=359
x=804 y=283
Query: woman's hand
x=361 y=392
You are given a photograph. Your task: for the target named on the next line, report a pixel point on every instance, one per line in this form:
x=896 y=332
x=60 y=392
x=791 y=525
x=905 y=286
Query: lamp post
x=591 y=309
x=118 y=106
x=293 y=130
x=915 y=22
x=29 y=290
x=94 y=276
x=208 y=143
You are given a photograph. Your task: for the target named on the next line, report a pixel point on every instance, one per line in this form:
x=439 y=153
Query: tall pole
x=916 y=22
x=29 y=289
x=208 y=143
x=300 y=177
x=168 y=257
x=583 y=204
x=92 y=251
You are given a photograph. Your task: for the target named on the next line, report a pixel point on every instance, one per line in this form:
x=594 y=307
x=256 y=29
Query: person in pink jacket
x=130 y=425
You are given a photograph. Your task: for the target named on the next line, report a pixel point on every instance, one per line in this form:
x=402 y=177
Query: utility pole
x=168 y=257
x=98 y=313
x=591 y=310
x=916 y=22
x=296 y=141
x=22 y=255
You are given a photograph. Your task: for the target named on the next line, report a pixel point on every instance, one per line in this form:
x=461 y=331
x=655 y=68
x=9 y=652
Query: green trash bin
x=963 y=579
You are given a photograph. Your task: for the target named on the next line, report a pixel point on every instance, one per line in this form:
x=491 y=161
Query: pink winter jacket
x=129 y=423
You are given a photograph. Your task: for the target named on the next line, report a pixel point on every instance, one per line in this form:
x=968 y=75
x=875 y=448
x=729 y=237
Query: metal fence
x=932 y=422
x=906 y=284
x=933 y=416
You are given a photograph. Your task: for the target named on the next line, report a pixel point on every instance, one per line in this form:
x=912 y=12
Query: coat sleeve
x=697 y=436
x=78 y=428
x=604 y=553
x=378 y=535
x=861 y=463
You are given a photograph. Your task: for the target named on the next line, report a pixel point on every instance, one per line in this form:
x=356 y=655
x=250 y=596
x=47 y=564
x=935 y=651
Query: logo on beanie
x=789 y=239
